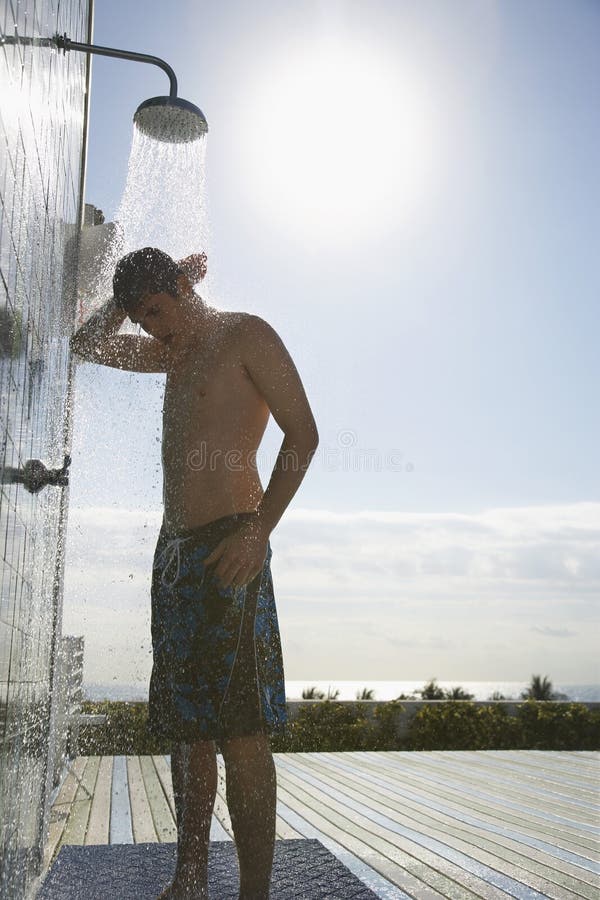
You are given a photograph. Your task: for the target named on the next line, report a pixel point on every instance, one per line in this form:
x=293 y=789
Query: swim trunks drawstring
x=171 y=551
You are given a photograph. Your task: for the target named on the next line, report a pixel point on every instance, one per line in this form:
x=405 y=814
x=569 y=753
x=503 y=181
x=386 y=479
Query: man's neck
x=201 y=322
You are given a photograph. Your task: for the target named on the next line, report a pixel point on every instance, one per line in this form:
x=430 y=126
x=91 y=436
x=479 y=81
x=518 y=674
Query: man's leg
x=194 y=774
x=251 y=786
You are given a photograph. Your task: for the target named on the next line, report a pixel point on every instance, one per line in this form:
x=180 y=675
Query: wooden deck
x=425 y=825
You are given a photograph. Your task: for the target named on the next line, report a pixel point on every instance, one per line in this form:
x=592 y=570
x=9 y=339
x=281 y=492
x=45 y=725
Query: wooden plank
x=447 y=840
x=483 y=826
x=440 y=788
x=141 y=815
x=559 y=793
x=562 y=832
x=59 y=813
x=539 y=819
x=162 y=765
x=555 y=790
x=221 y=811
x=526 y=797
x=457 y=844
x=120 y=810
x=553 y=763
x=513 y=845
x=500 y=853
x=314 y=822
x=416 y=869
x=457 y=825
x=99 y=821
x=412 y=772
x=586 y=755
x=79 y=814
x=218 y=832
x=381 y=886
x=284 y=831
x=164 y=822
x=567 y=767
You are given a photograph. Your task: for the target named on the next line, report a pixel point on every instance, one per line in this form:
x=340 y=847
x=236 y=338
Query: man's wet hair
x=143 y=272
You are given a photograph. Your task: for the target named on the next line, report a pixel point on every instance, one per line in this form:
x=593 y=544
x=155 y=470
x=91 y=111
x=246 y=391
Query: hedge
x=331 y=726
x=124 y=733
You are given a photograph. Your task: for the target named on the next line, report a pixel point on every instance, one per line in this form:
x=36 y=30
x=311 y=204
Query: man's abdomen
x=194 y=497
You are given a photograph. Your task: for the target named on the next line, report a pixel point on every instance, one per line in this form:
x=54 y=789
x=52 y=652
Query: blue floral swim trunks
x=217 y=661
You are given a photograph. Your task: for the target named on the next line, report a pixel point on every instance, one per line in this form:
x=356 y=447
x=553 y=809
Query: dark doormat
x=302 y=870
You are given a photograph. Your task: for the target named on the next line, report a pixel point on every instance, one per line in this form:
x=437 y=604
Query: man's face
x=159 y=316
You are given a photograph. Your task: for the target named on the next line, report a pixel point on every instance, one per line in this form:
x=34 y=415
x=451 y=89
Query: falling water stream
x=117 y=429
x=163 y=204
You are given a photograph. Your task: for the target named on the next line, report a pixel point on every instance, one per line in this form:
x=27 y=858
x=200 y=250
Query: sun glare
x=336 y=142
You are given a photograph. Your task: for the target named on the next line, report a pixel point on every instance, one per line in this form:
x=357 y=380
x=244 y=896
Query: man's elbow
x=77 y=344
x=74 y=343
x=311 y=438
x=82 y=348
x=305 y=438
x=309 y=435
x=313 y=448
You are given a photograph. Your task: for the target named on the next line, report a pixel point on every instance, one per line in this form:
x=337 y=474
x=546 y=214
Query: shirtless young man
x=226 y=372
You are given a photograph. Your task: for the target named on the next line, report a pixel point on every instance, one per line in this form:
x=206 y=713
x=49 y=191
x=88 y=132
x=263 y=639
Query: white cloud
x=555 y=632
x=372 y=594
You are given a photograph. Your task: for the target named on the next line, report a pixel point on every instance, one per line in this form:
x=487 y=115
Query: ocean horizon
x=383 y=690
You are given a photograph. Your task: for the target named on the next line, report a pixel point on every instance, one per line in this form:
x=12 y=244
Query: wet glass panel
x=41 y=133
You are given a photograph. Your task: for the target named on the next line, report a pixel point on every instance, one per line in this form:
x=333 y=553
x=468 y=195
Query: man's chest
x=201 y=389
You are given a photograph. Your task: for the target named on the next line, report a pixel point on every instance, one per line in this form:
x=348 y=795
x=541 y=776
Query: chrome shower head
x=170 y=119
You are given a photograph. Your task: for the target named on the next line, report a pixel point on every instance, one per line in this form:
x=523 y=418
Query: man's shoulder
x=245 y=319
x=246 y=326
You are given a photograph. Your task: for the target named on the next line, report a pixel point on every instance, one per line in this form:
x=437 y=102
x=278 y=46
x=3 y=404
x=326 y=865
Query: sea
x=382 y=690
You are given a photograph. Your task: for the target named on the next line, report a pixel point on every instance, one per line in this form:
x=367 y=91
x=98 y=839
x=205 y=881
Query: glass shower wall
x=42 y=151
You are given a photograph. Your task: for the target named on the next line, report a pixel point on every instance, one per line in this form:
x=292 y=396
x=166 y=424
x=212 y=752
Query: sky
x=408 y=193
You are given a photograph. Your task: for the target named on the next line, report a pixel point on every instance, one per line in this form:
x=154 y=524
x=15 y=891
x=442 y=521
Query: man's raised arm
x=104 y=323
x=97 y=341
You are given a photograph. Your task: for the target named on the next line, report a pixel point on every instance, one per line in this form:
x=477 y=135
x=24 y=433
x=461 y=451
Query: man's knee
x=244 y=746
x=201 y=748
x=198 y=758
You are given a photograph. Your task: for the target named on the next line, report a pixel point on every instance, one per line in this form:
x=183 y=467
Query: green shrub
x=334 y=726
x=558 y=726
x=331 y=726
x=385 y=735
x=461 y=725
x=537 y=725
x=124 y=733
x=317 y=727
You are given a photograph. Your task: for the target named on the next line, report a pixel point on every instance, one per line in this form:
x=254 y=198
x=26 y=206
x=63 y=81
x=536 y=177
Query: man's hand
x=194 y=266
x=239 y=557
